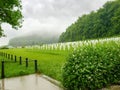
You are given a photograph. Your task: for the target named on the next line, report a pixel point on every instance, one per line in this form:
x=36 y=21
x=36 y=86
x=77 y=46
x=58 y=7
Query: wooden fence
x=13 y=58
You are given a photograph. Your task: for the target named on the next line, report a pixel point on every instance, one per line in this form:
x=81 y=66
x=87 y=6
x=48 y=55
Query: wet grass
x=13 y=69
x=50 y=62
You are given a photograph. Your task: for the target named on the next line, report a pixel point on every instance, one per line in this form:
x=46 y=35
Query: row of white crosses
x=71 y=45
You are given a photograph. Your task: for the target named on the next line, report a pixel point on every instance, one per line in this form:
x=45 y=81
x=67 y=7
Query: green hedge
x=92 y=67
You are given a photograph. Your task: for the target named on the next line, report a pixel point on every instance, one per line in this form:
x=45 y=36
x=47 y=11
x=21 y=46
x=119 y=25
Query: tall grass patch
x=92 y=66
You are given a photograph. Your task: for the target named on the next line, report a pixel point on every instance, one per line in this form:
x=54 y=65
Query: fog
x=50 y=16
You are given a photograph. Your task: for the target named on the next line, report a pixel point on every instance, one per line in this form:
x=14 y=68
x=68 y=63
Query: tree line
x=104 y=22
x=30 y=40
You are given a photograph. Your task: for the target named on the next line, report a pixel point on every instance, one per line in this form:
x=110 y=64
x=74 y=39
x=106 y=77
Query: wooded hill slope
x=33 y=40
x=104 y=22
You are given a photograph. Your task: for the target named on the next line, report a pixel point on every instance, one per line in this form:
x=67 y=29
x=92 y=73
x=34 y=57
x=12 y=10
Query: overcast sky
x=50 y=16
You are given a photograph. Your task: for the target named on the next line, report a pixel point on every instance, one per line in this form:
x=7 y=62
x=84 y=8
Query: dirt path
x=30 y=82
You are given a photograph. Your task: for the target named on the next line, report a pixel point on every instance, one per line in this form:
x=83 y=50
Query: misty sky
x=50 y=16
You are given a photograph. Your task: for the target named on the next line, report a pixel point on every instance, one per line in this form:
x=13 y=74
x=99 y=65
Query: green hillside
x=104 y=22
x=33 y=40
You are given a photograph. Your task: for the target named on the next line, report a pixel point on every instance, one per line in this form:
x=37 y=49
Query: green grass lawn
x=50 y=62
x=13 y=69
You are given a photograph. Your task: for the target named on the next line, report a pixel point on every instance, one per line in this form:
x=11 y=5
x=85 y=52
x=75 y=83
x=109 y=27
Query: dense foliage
x=92 y=66
x=10 y=12
x=99 y=24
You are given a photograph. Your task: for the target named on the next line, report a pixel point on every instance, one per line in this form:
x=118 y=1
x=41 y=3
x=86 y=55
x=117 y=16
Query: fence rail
x=13 y=59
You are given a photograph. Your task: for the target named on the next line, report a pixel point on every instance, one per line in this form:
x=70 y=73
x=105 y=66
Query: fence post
x=20 y=60
x=2 y=71
x=11 y=57
x=35 y=65
x=4 y=54
x=26 y=62
x=15 y=58
x=8 y=56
